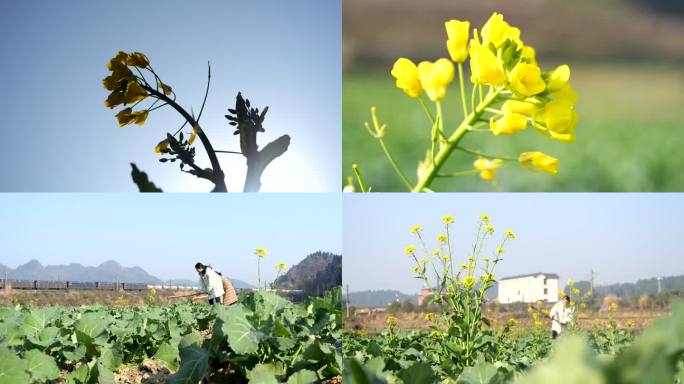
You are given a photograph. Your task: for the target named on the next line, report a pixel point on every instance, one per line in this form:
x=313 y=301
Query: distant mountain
x=109 y=271
x=379 y=298
x=641 y=287
x=317 y=273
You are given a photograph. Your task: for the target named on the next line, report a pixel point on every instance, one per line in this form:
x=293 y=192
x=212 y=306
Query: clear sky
x=58 y=136
x=167 y=234
x=623 y=237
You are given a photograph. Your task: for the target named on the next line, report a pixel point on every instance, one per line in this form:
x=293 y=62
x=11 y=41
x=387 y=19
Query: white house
x=529 y=288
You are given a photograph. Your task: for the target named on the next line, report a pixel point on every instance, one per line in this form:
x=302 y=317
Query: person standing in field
x=561 y=316
x=211 y=283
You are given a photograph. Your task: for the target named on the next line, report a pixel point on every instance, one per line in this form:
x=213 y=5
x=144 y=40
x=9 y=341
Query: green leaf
x=303 y=377
x=242 y=336
x=358 y=374
x=481 y=373
x=190 y=339
x=111 y=357
x=194 y=365
x=12 y=368
x=417 y=373
x=168 y=354
x=41 y=366
x=79 y=375
x=266 y=373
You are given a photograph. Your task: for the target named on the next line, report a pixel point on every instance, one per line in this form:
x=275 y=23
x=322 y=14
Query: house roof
x=548 y=275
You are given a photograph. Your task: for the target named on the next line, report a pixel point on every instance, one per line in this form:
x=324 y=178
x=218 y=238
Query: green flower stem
x=426 y=109
x=394 y=163
x=440 y=117
x=469 y=172
x=495 y=111
x=359 y=178
x=462 y=84
x=478 y=153
x=452 y=142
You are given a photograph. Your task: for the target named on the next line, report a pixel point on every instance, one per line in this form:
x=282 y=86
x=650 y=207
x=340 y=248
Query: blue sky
x=58 y=136
x=166 y=234
x=623 y=237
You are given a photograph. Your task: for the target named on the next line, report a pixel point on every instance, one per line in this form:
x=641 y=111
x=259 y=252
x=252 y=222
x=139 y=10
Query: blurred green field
x=629 y=137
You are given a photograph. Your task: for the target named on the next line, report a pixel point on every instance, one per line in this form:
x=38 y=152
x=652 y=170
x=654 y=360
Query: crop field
x=611 y=354
x=457 y=338
x=629 y=137
x=263 y=339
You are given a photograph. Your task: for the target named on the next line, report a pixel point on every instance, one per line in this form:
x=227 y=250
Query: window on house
x=545 y=280
x=546 y=291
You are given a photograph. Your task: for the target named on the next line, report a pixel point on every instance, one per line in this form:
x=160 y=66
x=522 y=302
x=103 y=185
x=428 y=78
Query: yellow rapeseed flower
x=510 y=234
x=576 y=291
x=134 y=92
x=137 y=59
x=260 y=252
x=114 y=99
x=500 y=250
x=193 y=135
x=485 y=66
x=140 y=117
x=125 y=117
x=447 y=219
x=457 y=39
x=414 y=269
x=570 y=282
x=508 y=124
x=484 y=218
x=391 y=321
x=429 y=316
x=496 y=31
x=520 y=107
x=281 y=266
x=445 y=258
x=409 y=249
x=416 y=228
x=538 y=161
x=161 y=146
x=512 y=322
x=565 y=93
x=165 y=88
x=558 y=78
x=525 y=79
x=528 y=54
x=436 y=77
x=558 y=118
x=489 y=228
x=487 y=168
x=406 y=73
x=442 y=238
x=469 y=281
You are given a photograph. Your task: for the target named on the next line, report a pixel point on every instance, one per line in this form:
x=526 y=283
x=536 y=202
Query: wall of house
x=528 y=289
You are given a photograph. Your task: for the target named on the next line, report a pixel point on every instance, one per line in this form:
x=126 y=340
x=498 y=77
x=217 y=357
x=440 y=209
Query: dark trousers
x=216 y=300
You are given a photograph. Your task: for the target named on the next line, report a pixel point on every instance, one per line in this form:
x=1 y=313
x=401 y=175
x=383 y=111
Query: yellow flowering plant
x=260 y=253
x=459 y=289
x=280 y=268
x=508 y=93
x=135 y=85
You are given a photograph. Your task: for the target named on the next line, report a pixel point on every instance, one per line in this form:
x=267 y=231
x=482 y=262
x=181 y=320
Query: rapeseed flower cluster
x=510 y=92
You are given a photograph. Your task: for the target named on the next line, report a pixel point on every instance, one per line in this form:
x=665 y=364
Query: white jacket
x=211 y=283
x=560 y=316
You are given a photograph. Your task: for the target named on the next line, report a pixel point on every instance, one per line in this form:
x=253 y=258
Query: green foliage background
x=628 y=138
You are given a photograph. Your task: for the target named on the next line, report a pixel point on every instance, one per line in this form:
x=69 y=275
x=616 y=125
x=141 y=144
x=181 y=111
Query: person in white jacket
x=210 y=282
x=561 y=315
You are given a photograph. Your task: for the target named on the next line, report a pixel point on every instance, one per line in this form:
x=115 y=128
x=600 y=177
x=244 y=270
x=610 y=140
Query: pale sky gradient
x=166 y=234
x=623 y=237
x=58 y=136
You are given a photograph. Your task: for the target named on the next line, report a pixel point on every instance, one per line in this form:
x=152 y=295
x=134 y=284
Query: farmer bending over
x=219 y=288
x=561 y=316
x=210 y=282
